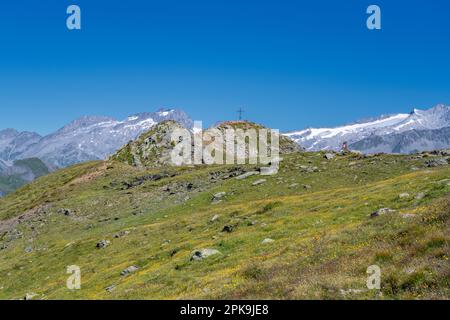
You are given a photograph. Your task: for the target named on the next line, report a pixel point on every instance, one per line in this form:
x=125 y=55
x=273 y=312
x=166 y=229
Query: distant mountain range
x=420 y=130
x=97 y=137
x=84 y=139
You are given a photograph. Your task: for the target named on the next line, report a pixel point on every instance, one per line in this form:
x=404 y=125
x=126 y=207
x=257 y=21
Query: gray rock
x=110 y=288
x=403 y=195
x=381 y=212
x=307 y=186
x=328 y=156
x=247 y=174
x=436 y=162
x=420 y=196
x=29 y=249
x=312 y=169
x=203 y=254
x=103 y=244
x=269 y=171
x=351 y=291
x=129 y=270
x=228 y=228
x=293 y=186
x=30 y=296
x=166 y=242
x=267 y=241
x=218 y=197
x=215 y=218
x=258 y=182
x=121 y=234
x=66 y=212
x=407 y=215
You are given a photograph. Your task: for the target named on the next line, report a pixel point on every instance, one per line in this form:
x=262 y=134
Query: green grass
x=36 y=165
x=10 y=183
x=324 y=237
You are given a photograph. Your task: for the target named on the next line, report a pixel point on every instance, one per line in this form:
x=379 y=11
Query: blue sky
x=289 y=64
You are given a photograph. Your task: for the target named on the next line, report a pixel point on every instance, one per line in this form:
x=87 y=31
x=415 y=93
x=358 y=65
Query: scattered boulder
x=247 y=174
x=30 y=296
x=269 y=171
x=307 y=186
x=228 y=228
x=328 y=156
x=445 y=152
x=438 y=162
x=29 y=249
x=66 y=212
x=293 y=186
x=110 y=288
x=69 y=244
x=381 y=212
x=103 y=244
x=267 y=241
x=203 y=254
x=407 y=215
x=311 y=169
x=258 y=182
x=165 y=242
x=218 y=197
x=215 y=218
x=403 y=195
x=351 y=291
x=129 y=270
x=121 y=234
x=420 y=196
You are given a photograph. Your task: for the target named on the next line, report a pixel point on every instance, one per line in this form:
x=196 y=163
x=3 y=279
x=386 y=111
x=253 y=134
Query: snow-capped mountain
x=87 y=138
x=419 y=130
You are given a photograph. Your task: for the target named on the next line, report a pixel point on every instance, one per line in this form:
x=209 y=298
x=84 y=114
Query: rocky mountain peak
x=152 y=148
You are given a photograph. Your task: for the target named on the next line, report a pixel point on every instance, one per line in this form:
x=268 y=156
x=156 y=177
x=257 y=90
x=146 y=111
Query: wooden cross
x=240 y=112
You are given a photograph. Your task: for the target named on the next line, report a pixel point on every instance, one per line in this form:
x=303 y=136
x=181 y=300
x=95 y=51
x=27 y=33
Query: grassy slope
x=10 y=183
x=324 y=239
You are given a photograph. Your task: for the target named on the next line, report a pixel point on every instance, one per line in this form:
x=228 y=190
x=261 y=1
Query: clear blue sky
x=290 y=64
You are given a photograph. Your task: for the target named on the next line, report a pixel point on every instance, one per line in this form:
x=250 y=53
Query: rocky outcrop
x=154 y=148
x=151 y=149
